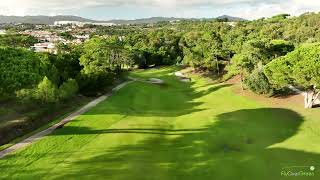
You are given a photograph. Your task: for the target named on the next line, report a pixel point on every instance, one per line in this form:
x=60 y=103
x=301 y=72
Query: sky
x=133 y=9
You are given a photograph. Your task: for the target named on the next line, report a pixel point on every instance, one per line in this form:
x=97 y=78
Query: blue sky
x=132 y=9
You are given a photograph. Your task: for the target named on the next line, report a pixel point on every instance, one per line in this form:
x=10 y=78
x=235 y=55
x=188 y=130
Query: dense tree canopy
x=102 y=60
x=243 y=48
x=17 y=40
x=20 y=68
x=299 y=68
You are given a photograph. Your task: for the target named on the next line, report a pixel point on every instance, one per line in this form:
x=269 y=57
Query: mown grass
x=181 y=130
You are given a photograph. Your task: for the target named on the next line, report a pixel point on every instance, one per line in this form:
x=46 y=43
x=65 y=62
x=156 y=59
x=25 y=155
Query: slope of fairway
x=174 y=131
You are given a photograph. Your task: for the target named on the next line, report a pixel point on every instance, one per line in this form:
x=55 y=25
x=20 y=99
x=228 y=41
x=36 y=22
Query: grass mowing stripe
x=181 y=130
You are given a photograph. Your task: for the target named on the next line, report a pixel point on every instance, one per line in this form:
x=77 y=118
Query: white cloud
x=244 y=8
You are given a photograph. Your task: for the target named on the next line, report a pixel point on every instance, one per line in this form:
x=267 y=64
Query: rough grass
x=190 y=131
x=18 y=120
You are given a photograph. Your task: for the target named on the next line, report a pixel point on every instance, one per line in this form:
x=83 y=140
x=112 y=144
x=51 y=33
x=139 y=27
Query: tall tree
x=300 y=68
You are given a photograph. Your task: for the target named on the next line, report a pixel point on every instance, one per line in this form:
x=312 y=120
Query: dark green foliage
x=220 y=47
x=68 y=89
x=279 y=47
x=102 y=61
x=157 y=47
x=300 y=67
x=258 y=83
x=17 y=40
x=48 y=92
x=202 y=50
x=67 y=63
x=66 y=35
x=20 y=68
x=93 y=85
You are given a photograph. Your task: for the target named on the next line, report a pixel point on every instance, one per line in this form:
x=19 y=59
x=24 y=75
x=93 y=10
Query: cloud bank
x=183 y=8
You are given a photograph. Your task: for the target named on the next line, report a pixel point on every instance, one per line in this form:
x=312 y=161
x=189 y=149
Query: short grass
x=179 y=130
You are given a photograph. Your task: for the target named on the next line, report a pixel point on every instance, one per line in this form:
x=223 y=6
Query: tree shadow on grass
x=70 y=130
x=148 y=100
x=237 y=146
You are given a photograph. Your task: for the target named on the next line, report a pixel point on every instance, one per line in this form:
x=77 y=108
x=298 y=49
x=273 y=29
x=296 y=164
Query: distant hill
x=41 y=19
x=145 y=20
x=231 y=18
x=51 y=19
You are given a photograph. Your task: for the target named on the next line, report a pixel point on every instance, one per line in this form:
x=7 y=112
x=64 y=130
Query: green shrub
x=93 y=85
x=25 y=95
x=68 y=89
x=46 y=92
x=258 y=83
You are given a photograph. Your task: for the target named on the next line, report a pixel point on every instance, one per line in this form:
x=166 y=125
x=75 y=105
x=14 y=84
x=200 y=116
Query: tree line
x=90 y=68
x=268 y=54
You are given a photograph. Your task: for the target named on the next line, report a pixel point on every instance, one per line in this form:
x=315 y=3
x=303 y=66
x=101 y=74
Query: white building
x=104 y=24
x=233 y=24
x=82 y=37
x=77 y=23
x=80 y=24
x=44 y=47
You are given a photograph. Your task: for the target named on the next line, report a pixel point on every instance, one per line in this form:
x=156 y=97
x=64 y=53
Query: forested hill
x=41 y=19
x=51 y=19
x=160 y=19
x=230 y=18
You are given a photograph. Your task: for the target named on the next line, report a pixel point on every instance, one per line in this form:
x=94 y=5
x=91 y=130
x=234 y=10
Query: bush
x=258 y=83
x=68 y=89
x=25 y=95
x=93 y=85
x=46 y=92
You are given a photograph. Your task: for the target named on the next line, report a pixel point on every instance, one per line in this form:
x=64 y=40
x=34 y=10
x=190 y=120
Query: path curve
x=64 y=121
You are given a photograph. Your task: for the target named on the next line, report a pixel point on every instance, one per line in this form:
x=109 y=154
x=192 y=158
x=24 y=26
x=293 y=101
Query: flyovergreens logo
x=298 y=171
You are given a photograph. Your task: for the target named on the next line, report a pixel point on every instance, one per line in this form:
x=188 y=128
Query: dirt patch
x=282 y=101
x=279 y=101
x=210 y=76
x=234 y=80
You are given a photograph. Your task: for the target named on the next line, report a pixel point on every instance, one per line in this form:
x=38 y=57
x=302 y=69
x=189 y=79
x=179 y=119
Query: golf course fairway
x=180 y=130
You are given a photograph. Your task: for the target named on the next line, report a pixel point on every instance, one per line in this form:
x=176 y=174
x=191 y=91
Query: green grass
x=178 y=131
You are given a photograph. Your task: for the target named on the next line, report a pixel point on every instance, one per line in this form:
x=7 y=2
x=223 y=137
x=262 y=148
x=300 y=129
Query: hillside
x=231 y=18
x=51 y=19
x=41 y=19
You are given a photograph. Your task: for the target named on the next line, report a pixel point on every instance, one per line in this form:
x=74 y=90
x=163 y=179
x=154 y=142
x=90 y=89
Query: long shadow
x=237 y=146
x=75 y=130
x=243 y=144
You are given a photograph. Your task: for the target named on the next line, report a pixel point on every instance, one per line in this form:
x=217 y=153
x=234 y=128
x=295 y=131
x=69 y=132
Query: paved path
x=64 y=121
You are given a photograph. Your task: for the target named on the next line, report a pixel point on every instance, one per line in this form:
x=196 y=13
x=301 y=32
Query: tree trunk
x=309 y=98
x=218 y=69
x=241 y=79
